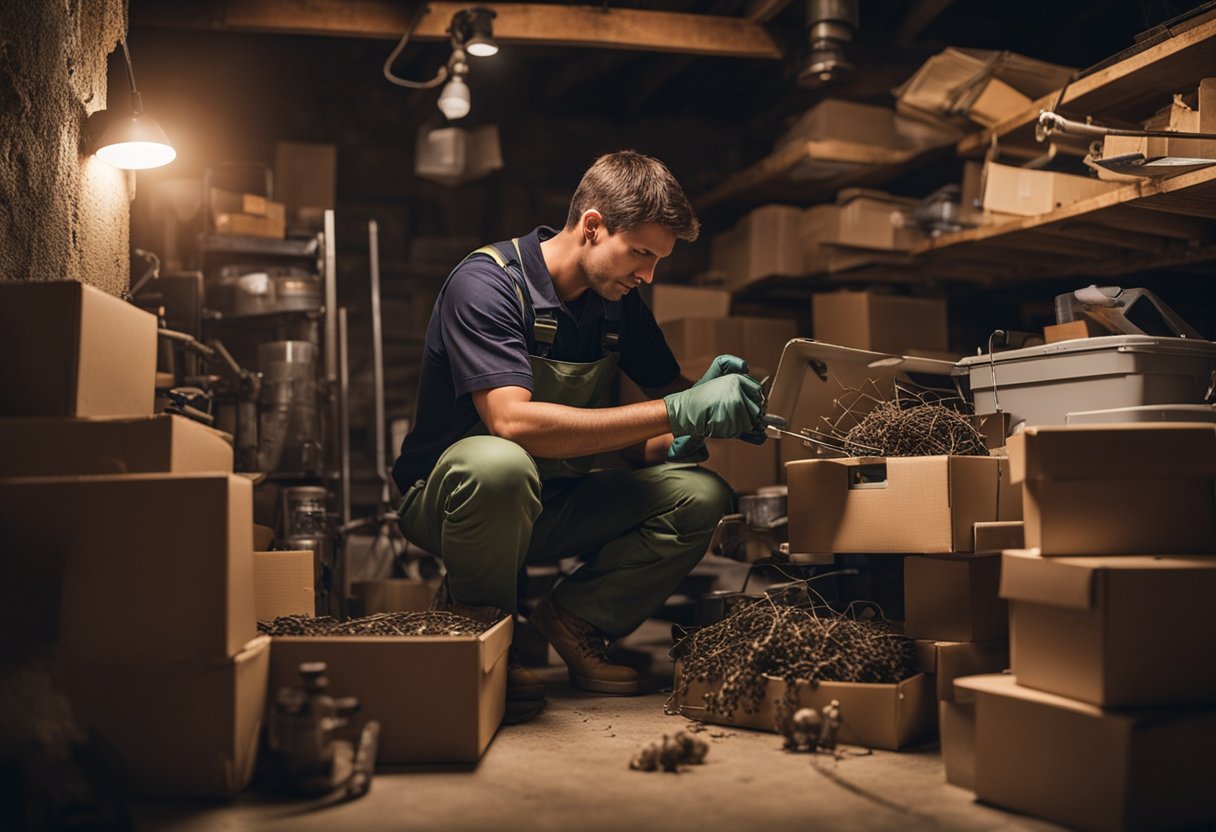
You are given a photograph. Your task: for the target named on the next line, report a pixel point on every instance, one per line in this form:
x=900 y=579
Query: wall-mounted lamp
x=471 y=33
x=132 y=141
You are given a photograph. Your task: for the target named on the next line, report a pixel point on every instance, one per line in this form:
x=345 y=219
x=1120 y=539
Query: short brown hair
x=629 y=188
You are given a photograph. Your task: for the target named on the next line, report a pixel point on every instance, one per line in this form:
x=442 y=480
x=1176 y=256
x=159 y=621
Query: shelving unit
x=1146 y=224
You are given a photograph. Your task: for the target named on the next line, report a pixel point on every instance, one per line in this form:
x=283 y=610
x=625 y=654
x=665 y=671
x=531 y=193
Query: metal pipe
x=373 y=243
x=1050 y=123
x=330 y=267
x=344 y=415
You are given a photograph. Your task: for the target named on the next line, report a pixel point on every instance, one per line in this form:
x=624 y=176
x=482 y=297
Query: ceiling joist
x=588 y=26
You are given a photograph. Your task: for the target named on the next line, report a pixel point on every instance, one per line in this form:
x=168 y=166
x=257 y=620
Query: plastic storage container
x=1042 y=385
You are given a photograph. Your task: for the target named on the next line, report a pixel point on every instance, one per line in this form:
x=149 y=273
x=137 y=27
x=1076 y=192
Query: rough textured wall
x=63 y=213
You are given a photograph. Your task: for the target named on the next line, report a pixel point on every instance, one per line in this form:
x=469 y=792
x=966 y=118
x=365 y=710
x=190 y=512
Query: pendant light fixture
x=130 y=140
x=471 y=32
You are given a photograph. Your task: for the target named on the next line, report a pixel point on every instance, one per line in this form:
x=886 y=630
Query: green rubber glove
x=692 y=448
x=687 y=449
x=721 y=408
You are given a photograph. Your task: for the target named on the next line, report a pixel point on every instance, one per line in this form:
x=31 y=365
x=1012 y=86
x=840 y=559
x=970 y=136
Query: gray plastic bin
x=1042 y=385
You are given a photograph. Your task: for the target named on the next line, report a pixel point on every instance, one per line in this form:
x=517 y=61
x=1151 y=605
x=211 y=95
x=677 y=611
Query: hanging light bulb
x=132 y=141
x=474 y=28
x=454 y=99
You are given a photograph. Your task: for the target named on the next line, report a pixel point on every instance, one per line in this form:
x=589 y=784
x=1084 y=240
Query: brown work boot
x=583 y=649
x=522 y=684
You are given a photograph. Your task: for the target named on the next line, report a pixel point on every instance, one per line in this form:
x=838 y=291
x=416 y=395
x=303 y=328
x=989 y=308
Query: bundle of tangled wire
x=430 y=623
x=914 y=428
x=791 y=642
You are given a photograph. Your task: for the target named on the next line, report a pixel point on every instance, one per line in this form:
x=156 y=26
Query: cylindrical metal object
x=290 y=427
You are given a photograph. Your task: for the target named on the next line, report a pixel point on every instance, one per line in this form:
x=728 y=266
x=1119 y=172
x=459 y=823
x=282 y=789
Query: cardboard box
x=152 y=444
x=956 y=730
x=946 y=661
x=978 y=85
x=1084 y=328
x=1028 y=192
x=73 y=350
x=1116 y=632
x=393 y=595
x=881 y=323
x=305 y=175
x=697 y=341
x=745 y=467
x=971 y=199
x=283 y=584
x=439 y=699
x=233 y=202
x=156 y=566
x=835 y=120
x=1178 y=116
x=953 y=598
x=1117 y=489
x=995 y=537
x=765 y=243
x=669 y=302
x=185 y=729
x=1090 y=769
x=904 y=505
x=889 y=717
x=251 y=225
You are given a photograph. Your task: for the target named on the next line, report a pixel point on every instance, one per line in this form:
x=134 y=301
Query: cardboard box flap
x=1005 y=685
x=1057 y=582
x=812 y=376
x=1114 y=451
x=496 y=640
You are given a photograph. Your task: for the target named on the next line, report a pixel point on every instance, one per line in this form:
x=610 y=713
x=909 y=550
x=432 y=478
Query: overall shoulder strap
x=612 y=326
x=544 y=323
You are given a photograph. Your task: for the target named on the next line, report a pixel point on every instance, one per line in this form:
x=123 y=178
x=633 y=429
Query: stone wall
x=63 y=213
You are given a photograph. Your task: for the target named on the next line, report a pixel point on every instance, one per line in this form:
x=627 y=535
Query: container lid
x=827 y=388
x=1144 y=413
x=1119 y=343
x=1071 y=582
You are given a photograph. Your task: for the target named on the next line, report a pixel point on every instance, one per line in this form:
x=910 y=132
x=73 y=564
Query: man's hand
x=723 y=407
x=724 y=365
x=692 y=448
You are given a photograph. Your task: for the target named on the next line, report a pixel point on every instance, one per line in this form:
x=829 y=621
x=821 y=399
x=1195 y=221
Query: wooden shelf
x=805 y=172
x=1130 y=90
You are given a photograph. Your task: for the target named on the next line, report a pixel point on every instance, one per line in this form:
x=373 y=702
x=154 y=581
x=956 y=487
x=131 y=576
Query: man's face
x=616 y=263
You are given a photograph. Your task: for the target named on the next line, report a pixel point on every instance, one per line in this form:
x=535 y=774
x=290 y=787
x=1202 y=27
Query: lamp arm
x=440 y=76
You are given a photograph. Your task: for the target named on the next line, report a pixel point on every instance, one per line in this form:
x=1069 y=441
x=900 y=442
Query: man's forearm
x=555 y=431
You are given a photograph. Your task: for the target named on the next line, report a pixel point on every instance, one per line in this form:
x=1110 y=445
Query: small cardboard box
x=251 y=225
x=73 y=350
x=283 y=584
x=950 y=660
x=156 y=566
x=185 y=729
x=881 y=323
x=954 y=598
x=232 y=202
x=439 y=699
x=956 y=729
x=153 y=444
x=1090 y=769
x=669 y=302
x=902 y=505
x=1177 y=116
x=833 y=119
x=889 y=717
x=1117 y=489
x=765 y=243
x=1084 y=328
x=1115 y=632
x=1029 y=192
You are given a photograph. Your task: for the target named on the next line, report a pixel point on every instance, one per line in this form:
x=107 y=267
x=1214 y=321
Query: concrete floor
x=568 y=769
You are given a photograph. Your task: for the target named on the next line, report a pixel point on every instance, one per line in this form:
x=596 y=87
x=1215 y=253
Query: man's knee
x=704 y=499
x=492 y=468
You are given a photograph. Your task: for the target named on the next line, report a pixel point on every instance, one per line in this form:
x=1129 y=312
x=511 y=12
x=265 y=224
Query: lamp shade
x=133 y=142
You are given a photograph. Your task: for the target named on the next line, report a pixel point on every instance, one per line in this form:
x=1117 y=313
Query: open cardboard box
x=1117 y=489
x=1087 y=768
x=149 y=444
x=889 y=717
x=1113 y=631
x=439 y=699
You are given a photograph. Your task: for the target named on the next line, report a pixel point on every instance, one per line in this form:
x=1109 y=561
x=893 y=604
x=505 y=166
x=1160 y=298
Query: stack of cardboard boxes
x=1108 y=721
x=126 y=543
x=253 y=215
x=698 y=327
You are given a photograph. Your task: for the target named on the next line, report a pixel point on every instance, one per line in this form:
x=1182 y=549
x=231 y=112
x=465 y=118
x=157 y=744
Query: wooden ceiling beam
x=530 y=23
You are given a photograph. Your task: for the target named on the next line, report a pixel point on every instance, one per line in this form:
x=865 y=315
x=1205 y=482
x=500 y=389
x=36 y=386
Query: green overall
x=488 y=507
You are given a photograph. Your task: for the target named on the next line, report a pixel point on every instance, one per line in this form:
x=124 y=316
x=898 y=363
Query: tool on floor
x=307 y=752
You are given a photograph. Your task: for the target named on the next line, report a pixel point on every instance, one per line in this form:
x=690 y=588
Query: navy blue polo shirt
x=478 y=339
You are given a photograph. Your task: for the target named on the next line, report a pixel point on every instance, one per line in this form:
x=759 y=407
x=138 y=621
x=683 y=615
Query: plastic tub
x=1042 y=385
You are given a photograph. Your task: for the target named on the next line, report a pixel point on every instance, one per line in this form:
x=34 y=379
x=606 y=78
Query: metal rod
x=373 y=243
x=1050 y=123
x=330 y=267
x=344 y=415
